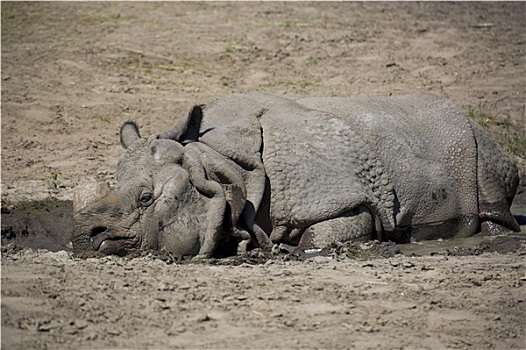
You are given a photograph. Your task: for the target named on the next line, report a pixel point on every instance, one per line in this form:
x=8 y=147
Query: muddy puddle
x=465 y=246
x=38 y=225
x=47 y=225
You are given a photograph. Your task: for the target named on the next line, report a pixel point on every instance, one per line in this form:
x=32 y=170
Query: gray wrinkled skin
x=256 y=169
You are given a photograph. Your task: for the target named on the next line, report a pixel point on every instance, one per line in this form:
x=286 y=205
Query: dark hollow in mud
x=38 y=225
x=48 y=225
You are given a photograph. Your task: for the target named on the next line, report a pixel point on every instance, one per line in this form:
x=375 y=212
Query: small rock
x=289 y=323
x=176 y=330
x=203 y=318
x=80 y=324
x=92 y=336
x=166 y=287
x=408 y=265
x=47 y=326
x=368 y=329
x=44 y=327
x=72 y=331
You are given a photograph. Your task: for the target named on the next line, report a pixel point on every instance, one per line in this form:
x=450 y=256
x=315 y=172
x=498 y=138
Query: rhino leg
x=355 y=225
x=497 y=180
x=490 y=228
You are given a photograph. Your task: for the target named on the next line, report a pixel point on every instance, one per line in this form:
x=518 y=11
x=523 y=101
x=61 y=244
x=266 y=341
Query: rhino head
x=173 y=193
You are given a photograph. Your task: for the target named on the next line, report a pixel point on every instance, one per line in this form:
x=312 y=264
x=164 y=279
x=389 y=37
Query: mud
x=360 y=293
x=73 y=72
x=48 y=225
x=38 y=225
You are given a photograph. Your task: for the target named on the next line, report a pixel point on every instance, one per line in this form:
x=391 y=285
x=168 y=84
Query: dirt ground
x=73 y=72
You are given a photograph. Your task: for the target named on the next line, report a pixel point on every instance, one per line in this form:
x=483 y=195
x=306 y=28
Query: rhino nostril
x=98 y=230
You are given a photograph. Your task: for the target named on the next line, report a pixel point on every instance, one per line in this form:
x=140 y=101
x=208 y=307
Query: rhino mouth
x=108 y=242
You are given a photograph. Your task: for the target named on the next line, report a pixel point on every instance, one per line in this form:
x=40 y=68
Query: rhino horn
x=87 y=192
x=187 y=129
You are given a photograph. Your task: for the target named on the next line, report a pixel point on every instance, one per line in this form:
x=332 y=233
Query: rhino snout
x=107 y=242
x=98 y=235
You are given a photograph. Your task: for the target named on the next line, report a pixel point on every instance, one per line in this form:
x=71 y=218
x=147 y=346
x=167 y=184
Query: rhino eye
x=146 y=199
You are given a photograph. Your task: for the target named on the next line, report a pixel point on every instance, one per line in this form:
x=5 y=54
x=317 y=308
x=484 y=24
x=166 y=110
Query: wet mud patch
x=48 y=225
x=37 y=225
x=372 y=250
x=476 y=245
x=512 y=243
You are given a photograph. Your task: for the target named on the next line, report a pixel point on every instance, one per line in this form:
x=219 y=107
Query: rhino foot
x=490 y=228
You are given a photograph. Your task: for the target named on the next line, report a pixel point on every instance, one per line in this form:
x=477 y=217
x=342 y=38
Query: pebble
x=408 y=265
x=92 y=336
x=177 y=330
x=45 y=327
x=289 y=323
x=80 y=324
x=203 y=318
x=368 y=329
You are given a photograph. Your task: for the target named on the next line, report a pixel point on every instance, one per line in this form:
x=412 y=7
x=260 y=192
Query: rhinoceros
x=253 y=170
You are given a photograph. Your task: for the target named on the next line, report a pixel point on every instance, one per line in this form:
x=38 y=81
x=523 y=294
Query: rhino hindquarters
x=354 y=225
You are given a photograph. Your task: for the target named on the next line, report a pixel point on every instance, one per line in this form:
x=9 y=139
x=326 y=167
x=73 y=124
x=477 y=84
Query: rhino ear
x=186 y=130
x=129 y=134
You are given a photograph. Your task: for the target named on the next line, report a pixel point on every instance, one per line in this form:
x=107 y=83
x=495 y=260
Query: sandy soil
x=73 y=72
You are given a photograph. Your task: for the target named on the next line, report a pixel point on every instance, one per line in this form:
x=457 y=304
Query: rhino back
x=429 y=152
x=316 y=165
x=319 y=168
